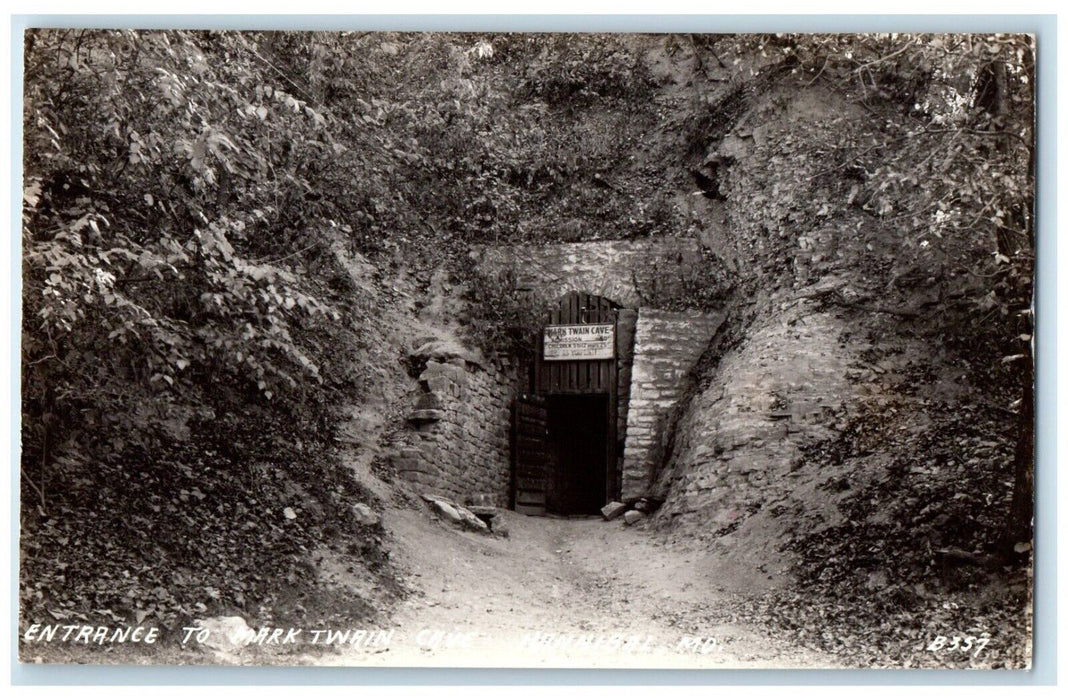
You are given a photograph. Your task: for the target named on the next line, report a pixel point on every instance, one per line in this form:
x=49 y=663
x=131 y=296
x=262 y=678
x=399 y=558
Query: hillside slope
x=855 y=428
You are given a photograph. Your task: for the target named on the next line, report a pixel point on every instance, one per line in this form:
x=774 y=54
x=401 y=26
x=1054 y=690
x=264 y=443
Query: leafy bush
x=168 y=237
x=500 y=317
x=705 y=285
x=578 y=70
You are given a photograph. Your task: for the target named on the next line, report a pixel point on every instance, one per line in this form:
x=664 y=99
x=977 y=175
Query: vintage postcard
x=527 y=350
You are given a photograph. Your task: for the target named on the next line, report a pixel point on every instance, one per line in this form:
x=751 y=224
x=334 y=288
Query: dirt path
x=561 y=593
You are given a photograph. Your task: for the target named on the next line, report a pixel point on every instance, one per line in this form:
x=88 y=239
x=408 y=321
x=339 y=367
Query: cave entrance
x=578 y=438
x=566 y=456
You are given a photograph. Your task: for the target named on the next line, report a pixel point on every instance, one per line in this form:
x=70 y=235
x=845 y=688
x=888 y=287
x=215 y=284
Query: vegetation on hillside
x=938 y=184
x=188 y=333
x=907 y=210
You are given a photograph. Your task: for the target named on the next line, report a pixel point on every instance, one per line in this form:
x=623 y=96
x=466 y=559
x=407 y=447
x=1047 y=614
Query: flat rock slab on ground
x=446 y=510
x=458 y=515
x=613 y=510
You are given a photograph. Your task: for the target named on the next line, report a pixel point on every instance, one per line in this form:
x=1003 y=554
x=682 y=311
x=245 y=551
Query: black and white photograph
x=527 y=350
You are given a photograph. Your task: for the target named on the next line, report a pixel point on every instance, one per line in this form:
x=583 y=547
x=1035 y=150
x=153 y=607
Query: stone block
x=441 y=385
x=613 y=510
x=633 y=516
x=426 y=415
x=428 y=400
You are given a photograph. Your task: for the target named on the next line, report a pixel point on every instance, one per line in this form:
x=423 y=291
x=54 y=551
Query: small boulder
x=364 y=515
x=225 y=634
x=471 y=521
x=458 y=515
x=633 y=516
x=613 y=510
x=648 y=504
x=500 y=528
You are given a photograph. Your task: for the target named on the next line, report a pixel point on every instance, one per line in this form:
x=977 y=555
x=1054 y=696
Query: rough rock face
x=737 y=445
x=790 y=379
x=841 y=323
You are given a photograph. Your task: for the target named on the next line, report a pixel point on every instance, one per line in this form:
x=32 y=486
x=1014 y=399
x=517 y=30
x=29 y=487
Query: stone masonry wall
x=667 y=345
x=626 y=322
x=458 y=445
x=626 y=272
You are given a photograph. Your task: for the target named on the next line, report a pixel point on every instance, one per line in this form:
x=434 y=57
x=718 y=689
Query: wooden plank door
x=578 y=433
x=531 y=457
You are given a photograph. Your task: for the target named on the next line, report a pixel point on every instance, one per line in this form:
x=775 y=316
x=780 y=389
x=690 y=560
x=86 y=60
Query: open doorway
x=578 y=436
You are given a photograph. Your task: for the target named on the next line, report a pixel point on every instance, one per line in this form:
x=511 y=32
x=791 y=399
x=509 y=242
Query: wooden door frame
x=595 y=377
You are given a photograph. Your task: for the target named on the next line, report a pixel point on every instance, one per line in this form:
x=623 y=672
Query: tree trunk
x=1018 y=527
x=1021 y=510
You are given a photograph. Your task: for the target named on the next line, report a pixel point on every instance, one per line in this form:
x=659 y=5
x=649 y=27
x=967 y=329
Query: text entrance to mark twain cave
x=578 y=431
